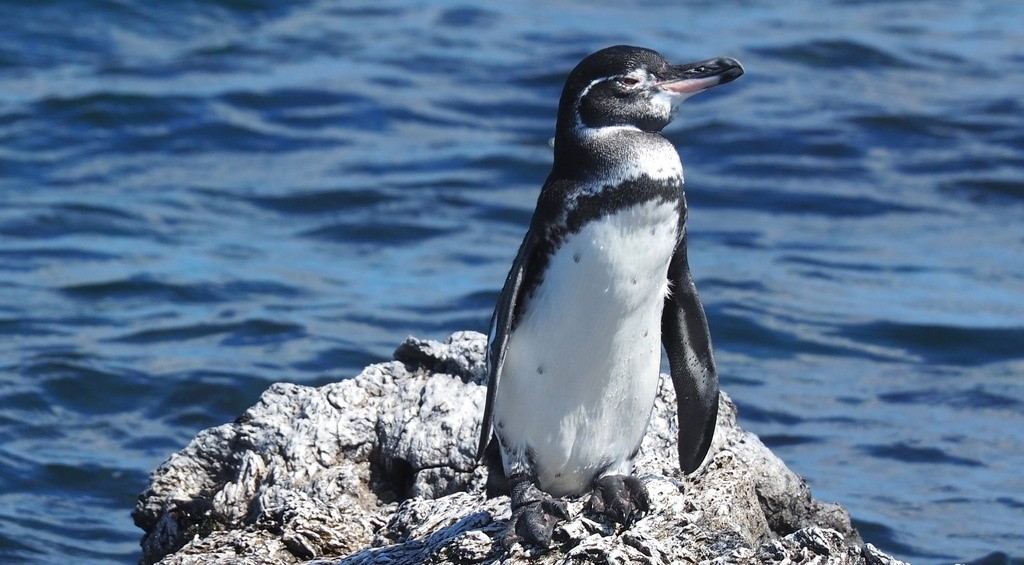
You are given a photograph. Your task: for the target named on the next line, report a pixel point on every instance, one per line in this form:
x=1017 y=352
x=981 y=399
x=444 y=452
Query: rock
x=380 y=469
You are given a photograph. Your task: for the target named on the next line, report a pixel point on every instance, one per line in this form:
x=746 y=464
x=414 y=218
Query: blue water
x=200 y=198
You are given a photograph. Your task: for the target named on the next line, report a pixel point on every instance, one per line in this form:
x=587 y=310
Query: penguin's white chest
x=581 y=370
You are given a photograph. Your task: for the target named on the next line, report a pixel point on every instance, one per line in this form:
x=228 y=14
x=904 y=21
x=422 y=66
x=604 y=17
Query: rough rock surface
x=379 y=469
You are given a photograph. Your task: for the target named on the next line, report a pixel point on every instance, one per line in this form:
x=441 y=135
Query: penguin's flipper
x=685 y=336
x=501 y=328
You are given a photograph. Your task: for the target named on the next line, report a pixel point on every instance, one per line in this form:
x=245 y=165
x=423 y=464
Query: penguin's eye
x=628 y=81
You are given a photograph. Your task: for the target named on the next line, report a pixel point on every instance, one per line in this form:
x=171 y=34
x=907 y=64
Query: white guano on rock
x=380 y=468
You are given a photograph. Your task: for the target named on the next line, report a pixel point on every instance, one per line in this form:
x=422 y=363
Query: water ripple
x=889 y=537
x=970 y=399
x=155 y=291
x=906 y=453
x=807 y=203
x=941 y=344
x=247 y=332
x=394 y=232
x=836 y=54
x=997 y=558
x=62 y=220
x=997 y=192
x=323 y=201
x=33 y=258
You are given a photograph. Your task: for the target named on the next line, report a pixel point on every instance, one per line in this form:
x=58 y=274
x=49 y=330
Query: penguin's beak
x=691 y=78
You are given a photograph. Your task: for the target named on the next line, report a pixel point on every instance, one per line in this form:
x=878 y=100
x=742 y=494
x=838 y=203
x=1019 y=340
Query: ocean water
x=200 y=198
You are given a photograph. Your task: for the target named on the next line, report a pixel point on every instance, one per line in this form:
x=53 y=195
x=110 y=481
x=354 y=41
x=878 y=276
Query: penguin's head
x=635 y=87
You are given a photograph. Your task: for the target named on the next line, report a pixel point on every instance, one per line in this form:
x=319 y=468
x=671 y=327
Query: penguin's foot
x=619 y=498
x=534 y=514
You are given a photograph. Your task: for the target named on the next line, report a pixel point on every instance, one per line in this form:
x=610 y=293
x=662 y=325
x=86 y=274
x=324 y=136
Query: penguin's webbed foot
x=534 y=514
x=619 y=498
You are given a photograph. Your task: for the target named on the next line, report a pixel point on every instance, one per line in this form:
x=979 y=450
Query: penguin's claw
x=534 y=522
x=619 y=498
x=534 y=516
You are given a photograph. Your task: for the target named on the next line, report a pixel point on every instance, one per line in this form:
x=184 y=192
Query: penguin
x=600 y=284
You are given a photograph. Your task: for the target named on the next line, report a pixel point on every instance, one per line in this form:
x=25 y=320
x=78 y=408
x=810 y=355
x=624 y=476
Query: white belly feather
x=581 y=371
